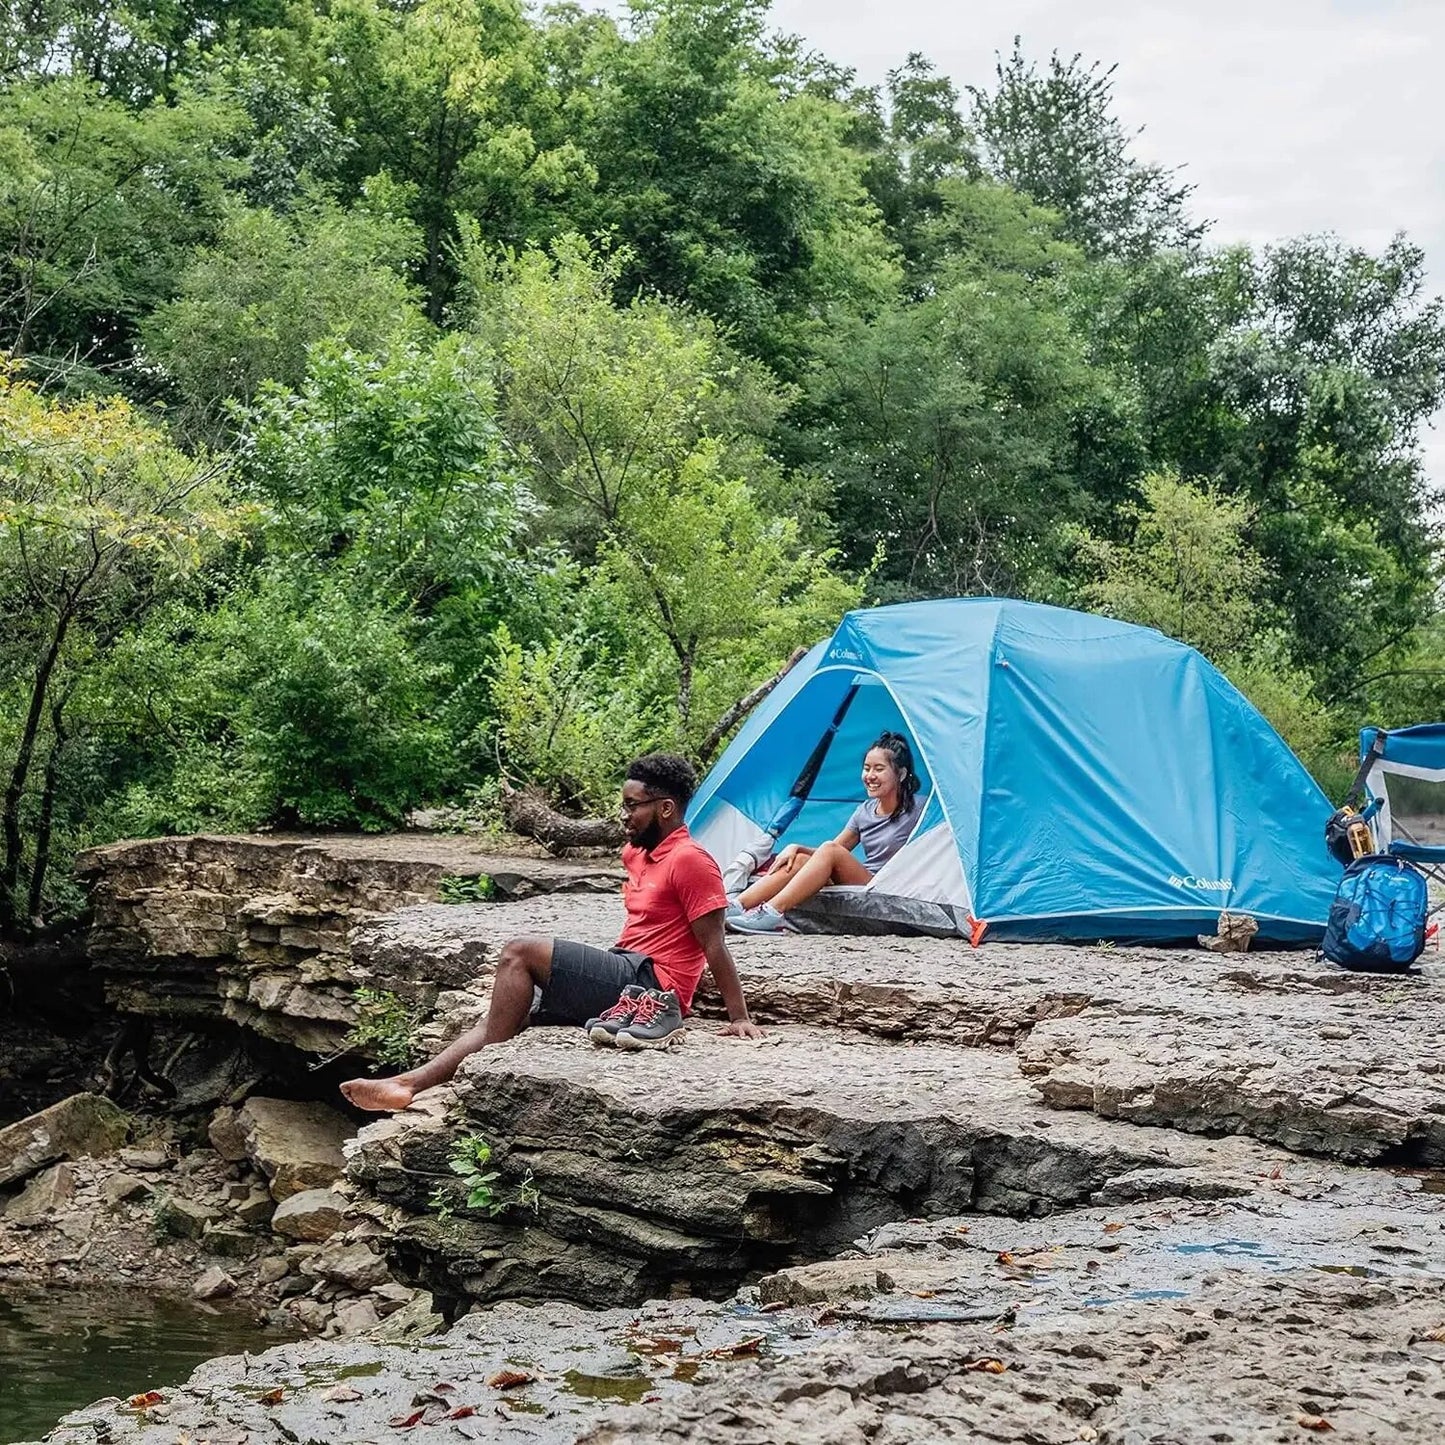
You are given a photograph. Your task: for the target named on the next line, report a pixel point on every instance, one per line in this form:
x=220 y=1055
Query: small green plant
x=385 y=1028
x=457 y=889
x=470 y=1159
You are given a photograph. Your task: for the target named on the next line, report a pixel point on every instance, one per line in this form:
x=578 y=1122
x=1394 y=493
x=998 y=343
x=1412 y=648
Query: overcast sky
x=1289 y=116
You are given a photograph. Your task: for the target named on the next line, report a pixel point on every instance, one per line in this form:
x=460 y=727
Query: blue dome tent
x=1084 y=778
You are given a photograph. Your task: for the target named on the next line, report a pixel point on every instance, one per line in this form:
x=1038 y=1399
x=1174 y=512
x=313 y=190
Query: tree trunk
x=10 y=822
x=742 y=707
x=43 y=827
x=529 y=813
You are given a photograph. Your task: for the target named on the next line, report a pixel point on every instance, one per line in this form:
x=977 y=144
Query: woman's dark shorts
x=586 y=981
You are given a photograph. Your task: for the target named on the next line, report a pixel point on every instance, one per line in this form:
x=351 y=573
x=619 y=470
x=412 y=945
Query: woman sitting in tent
x=882 y=823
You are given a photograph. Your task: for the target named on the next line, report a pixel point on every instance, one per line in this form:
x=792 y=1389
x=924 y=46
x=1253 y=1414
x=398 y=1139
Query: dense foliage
x=404 y=393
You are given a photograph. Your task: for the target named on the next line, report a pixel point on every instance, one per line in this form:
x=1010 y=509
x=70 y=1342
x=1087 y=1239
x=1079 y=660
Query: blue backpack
x=1377 y=921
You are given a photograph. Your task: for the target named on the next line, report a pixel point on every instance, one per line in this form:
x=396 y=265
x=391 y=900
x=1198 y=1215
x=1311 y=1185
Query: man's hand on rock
x=742 y=1029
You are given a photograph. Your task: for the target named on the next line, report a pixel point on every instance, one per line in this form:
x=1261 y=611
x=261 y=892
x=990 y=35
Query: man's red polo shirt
x=666 y=891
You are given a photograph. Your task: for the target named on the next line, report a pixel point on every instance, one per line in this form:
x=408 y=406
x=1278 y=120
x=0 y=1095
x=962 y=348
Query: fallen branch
x=742 y=707
x=529 y=813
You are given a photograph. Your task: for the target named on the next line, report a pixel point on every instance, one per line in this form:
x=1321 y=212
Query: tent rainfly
x=1084 y=778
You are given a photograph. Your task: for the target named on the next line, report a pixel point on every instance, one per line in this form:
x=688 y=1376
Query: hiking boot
x=603 y=1029
x=656 y=1023
x=762 y=919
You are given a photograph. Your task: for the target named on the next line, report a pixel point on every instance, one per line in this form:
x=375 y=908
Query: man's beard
x=649 y=837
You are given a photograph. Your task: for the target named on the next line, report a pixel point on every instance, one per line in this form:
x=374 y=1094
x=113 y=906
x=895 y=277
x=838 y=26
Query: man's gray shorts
x=587 y=981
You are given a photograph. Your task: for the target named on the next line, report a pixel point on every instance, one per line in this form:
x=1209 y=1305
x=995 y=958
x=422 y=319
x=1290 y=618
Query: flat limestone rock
x=1306 y=1356
x=1248 y=1356
x=648 y=1171
x=922 y=989
x=296 y=1145
x=1356 y=1076
x=80 y=1125
x=43 y=1195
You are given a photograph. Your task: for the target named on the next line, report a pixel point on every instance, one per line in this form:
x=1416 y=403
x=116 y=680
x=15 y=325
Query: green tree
x=99 y=207
x=251 y=306
x=1187 y=568
x=730 y=181
x=952 y=423
x=1055 y=137
x=632 y=419
x=100 y=520
x=450 y=98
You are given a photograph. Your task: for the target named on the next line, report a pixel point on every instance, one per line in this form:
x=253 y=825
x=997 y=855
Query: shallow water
x=61 y=1349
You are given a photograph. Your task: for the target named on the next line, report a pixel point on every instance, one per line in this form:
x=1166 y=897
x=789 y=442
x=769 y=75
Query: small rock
x=256 y=1206
x=235 y=1192
x=272 y=1270
x=227 y=1137
x=148 y=1159
x=391 y=1297
x=183 y=1218
x=121 y=1188
x=78 y=1226
x=297 y=1146
x=353 y=1265
x=214 y=1284
x=44 y=1194
x=313 y=1214
x=312 y=1314
x=230 y=1242
x=353 y=1318
x=293 y=1284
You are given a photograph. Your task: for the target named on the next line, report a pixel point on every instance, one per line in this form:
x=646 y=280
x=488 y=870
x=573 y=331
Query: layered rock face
x=255 y=931
x=901 y=1076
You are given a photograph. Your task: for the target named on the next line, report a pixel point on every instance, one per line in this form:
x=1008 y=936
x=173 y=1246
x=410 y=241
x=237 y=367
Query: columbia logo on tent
x=1207 y=885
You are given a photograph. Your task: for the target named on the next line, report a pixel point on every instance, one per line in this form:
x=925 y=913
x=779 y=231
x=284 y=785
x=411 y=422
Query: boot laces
x=648 y=1008
x=624 y=1008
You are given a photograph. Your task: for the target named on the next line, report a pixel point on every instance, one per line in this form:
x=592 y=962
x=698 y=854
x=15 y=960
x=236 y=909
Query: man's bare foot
x=378 y=1095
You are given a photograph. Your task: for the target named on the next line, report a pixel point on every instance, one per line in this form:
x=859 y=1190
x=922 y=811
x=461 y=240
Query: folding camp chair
x=1401 y=782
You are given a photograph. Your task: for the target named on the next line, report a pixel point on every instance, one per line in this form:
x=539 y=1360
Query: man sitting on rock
x=675 y=906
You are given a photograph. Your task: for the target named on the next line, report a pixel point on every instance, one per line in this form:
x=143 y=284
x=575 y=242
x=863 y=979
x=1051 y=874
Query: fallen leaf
x=506 y=1379
x=987 y=1366
x=462 y=1412
x=1112 y=1228
x=924 y=1293
x=144 y=1402
x=1437 y=1335
x=772 y=1307
x=1315 y=1422
x=341 y=1395
x=273 y=1397
x=1004 y=1257
x=750 y=1346
x=1278 y=1173
x=444 y=1387
x=405 y=1422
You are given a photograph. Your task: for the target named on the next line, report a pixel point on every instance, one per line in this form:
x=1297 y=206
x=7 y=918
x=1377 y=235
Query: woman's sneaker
x=603 y=1029
x=656 y=1023
x=762 y=919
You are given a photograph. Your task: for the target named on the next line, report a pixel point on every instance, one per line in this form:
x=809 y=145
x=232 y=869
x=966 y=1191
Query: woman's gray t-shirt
x=882 y=836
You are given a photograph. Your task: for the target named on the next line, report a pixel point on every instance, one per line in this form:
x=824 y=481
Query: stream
x=61 y=1349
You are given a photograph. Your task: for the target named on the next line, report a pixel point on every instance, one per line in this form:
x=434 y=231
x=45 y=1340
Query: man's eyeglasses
x=631 y=805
